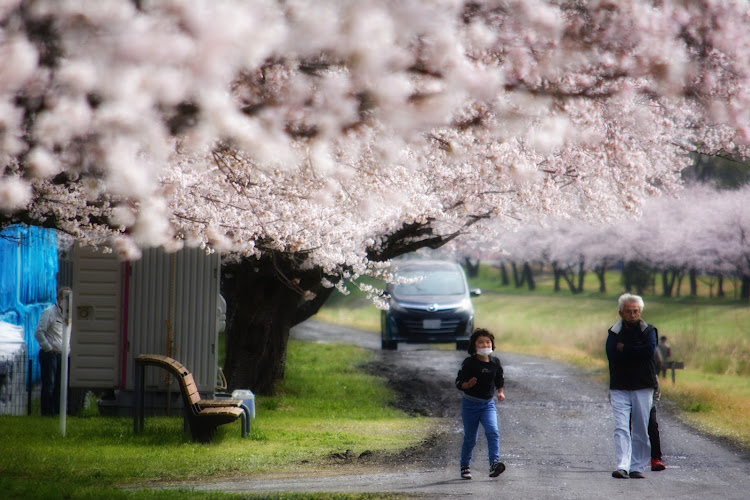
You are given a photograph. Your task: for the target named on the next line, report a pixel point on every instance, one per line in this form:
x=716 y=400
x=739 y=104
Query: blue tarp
x=28 y=280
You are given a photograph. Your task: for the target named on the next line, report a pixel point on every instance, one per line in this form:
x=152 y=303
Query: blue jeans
x=50 y=365
x=472 y=413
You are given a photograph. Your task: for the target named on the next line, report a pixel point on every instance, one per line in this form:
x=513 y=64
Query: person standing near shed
x=49 y=334
x=630 y=346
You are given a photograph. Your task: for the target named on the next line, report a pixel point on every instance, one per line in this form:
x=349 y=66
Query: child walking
x=480 y=378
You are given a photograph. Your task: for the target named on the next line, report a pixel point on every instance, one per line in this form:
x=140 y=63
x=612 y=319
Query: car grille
x=448 y=326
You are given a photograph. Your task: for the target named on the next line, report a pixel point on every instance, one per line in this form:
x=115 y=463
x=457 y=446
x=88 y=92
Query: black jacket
x=633 y=368
x=489 y=377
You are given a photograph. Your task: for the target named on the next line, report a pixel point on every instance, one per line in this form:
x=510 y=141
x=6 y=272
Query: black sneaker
x=496 y=469
x=465 y=473
x=637 y=475
x=620 y=474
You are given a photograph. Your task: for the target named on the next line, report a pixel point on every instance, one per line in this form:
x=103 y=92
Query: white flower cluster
x=323 y=128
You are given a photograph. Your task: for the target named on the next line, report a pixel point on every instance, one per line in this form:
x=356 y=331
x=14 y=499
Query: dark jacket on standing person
x=633 y=368
x=489 y=377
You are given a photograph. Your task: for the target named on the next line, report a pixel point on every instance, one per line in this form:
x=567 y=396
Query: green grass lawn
x=325 y=405
x=709 y=335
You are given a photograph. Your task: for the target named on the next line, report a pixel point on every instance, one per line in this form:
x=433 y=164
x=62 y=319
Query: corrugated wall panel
x=147 y=312
x=185 y=284
x=196 y=291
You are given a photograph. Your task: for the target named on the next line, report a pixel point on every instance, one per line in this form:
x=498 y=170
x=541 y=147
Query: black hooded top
x=489 y=377
x=633 y=368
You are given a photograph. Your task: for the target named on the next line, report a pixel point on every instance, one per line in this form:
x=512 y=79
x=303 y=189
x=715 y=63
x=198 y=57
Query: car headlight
x=395 y=306
x=465 y=305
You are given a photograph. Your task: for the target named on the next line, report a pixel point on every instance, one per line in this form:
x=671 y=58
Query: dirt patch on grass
x=418 y=392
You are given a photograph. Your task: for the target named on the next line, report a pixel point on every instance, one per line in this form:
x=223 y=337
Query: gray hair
x=626 y=298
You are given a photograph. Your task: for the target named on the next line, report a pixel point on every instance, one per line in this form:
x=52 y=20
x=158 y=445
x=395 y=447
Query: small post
x=29 y=387
x=676 y=365
x=138 y=408
x=67 y=303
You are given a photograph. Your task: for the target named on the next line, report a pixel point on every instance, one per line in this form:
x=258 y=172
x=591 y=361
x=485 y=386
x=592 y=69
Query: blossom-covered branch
x=331 y=129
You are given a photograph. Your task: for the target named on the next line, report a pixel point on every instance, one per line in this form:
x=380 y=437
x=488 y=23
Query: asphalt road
x=556 y=433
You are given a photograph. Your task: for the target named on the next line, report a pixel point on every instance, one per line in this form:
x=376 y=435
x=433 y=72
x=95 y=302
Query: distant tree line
x=702 y=236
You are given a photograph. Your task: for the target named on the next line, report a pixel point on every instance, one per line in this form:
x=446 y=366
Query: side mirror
x=475 y=292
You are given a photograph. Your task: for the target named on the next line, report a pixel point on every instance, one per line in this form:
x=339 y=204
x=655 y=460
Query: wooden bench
x=202 y=416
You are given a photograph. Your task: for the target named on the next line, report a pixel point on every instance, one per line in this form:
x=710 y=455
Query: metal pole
x=67 y=306
x=28 y=386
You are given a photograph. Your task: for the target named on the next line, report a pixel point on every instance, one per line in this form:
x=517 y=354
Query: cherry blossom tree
x=733 y=252
x=569 y=246
x=312 y=141
x=704 y=231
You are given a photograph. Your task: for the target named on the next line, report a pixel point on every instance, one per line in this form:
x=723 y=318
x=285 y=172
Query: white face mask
x=484 y=351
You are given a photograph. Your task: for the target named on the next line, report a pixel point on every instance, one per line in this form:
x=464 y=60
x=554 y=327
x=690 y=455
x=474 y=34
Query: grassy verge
x=708 y=335
x=325 y=405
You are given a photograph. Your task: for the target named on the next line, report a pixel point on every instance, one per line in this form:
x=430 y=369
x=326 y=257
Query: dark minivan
x=435 y=309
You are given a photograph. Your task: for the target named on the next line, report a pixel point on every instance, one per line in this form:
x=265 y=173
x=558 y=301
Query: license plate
x=431 y=324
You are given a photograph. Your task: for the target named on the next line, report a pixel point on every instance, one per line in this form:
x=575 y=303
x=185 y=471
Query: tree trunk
x=601 y=273
x=666 y=287
x=529 y=276
x=720 y=287
x=504 y=274
x=264 y=300
x=745 y=287
x=581 y=276
x=556 y=273
x=518 y=278
x=679 y=284
x=569 y=276
x=693 y=282
x=472 y=270
x=668 y=278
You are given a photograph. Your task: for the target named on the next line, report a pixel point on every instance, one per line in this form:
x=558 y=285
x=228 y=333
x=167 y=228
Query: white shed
x=161 y=304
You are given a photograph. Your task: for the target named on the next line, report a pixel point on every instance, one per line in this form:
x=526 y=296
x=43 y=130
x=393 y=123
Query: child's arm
x=500 y=394
x=463 y=383
x=469 y=383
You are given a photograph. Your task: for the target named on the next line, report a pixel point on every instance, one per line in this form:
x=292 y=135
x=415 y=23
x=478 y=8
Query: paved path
x=556 y=429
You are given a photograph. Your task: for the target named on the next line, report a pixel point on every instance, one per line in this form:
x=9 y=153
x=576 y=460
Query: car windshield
x=441 y=282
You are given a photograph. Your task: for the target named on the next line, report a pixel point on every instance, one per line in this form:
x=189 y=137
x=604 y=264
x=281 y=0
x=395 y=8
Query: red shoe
x=657 y=464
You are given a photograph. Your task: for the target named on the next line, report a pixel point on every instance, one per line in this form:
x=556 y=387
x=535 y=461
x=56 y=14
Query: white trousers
x=631 y=410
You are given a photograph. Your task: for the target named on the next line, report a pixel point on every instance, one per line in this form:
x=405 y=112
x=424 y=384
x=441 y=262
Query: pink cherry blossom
x=324 y=128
